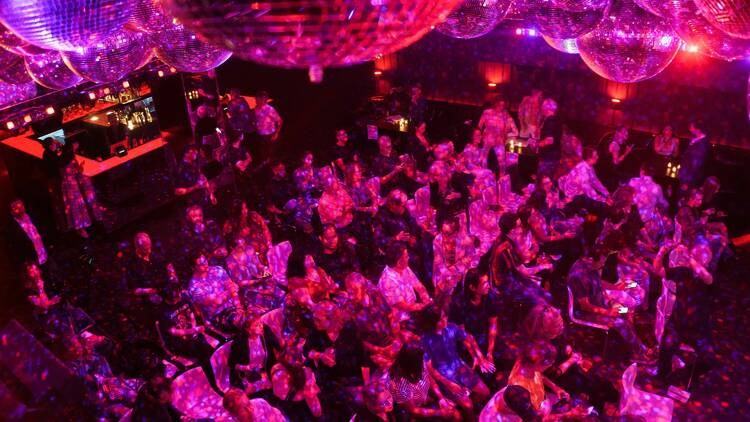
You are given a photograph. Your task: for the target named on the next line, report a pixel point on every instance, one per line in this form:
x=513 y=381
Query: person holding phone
x=592 y=304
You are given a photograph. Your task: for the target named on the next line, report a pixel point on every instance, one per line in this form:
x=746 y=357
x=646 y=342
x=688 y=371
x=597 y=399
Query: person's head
x=172 y=294
x=695 y=198
x=203 y=111
x=409 y=362
x=701 y=252
x=518 y=399
x=356 y=287
x=191 y=154
x=261 y=98
x=329 y=238
x=543 y=322
x=499 y=103
x=440 y=172
x=416 y=91
x=384 y=145
x=623 y=197
x=199 y=261
x=536 y=93
x=450 y=227
x=328 y=180
x=590 y=155
x=476 y=137
x=431 y=319
x=546 y=183
x=194 y=215
x=538 y=355
x=444 y=150
x=666 y=131
x=621 y=133
x=142 y=243
x=353 y=173
x=377 y=397
x=646 y=169
x=308 y=159
x=396 y=202
x=238 y=405
x=342 y=137
x=476 y=285
x=697 y=129
x=17 y=209
x=397 y=256
x=549 y=107
x=278 y=170
x=235 y=93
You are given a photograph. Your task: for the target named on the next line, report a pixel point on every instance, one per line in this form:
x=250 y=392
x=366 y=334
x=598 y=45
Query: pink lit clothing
x=335 y=207
x=213 y=293
x=266 y=120
x=582 y=180
x=648 y=196
x=474 y=158
x=30 y=229
x=399 y=288
x=666 y=147
x=453 y=257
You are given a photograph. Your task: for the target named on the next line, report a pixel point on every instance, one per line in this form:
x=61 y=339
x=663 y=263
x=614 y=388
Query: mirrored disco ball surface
x=731 y=16
x=557 y=22
x=9 y=40
x=49 y=70
x=629 y=44
x=696 y=31
x=665 y=8
x=64 y=24
x=150 y=16
x=182 y=50
x=12 y=70
x=306 y=33
x=111 y=59
x=562 y=45
x=11 y=94
x=579 y=5
x=474 y=18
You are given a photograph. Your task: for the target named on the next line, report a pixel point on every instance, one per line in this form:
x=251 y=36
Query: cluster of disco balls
x=61 y=42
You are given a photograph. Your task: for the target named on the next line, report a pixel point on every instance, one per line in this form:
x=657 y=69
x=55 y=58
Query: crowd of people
x=413 y=282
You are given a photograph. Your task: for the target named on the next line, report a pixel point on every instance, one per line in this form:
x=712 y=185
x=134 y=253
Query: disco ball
x=111 y=59
x=556 y=22
x=150 y=16
x=9 y=40
x=696 y=31
x=182 y=50
x=563 y=45
x=305 y=33
x=64 y=24
x=11 y=94
x=665 y=8
x=49 y=70
x=474 y=18
x=629 y=44
x=578 y=5
x=11 y=69
x=731 y=16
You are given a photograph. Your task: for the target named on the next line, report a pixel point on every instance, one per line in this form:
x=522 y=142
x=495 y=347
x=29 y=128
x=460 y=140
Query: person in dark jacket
x=693 y=160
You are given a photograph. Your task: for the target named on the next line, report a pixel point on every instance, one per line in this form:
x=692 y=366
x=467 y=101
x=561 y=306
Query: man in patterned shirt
x=215 y=295
x=582 y=179
x=648 y=194
x=399 y=285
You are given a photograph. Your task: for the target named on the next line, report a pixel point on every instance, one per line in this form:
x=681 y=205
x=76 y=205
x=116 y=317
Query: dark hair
x=195 y=254
x=409 y=363
x=393 y=253
x=518 y=399
x=588 y=152
x=429 y=318
x=507 y=222
x=327 y=226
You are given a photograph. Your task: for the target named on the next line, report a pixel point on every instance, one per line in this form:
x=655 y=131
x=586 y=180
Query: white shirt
x=582 y=180
x=397 y=288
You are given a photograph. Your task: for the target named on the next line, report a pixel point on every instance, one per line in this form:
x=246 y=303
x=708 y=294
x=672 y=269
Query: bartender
x=116 y=131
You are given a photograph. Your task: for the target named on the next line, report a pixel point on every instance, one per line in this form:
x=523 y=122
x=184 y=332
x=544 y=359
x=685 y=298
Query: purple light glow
x=49 y=70
x=112 y=58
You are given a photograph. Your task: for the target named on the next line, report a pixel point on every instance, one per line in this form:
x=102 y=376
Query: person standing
x=496 y=123
x=240 y=116
x=693 y=160
x=530 y=114
x=23 y=236
x=268 y=125
x=550 y=143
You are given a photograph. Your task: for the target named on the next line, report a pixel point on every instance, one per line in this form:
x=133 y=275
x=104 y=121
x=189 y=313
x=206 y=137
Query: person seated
x=582 y=180
x=597 y=300
x=154 y=402
x=342 y=153
x=246 y=223
x=394 y=223
x=454 y=254
x=474 y=157
x=198 y=232
x=385 y=165
x=335 y=205
x=410 y=385
x=215 y=296
x=337 y=256
x=440 y=340
x=244 y=409
x=399 y=285
x=292 y=380
x=190 y=182
x=306 y=176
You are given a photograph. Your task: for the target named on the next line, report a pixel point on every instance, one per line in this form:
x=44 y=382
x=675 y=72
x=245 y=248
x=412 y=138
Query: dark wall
x=312 y=112
x=693 y=86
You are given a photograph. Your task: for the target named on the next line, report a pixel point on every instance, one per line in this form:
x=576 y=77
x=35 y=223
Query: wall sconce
x=126 y=84
x=495 y=73
x=492 y=85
